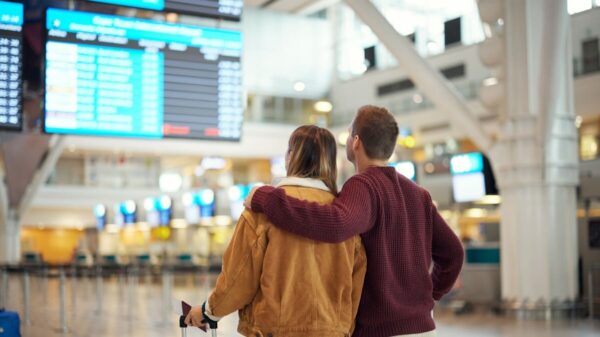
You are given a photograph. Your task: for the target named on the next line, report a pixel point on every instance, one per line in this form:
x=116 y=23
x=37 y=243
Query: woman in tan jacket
x=284 y=285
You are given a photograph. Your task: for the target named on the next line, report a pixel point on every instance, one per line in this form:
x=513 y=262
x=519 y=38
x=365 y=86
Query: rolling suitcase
x=10 y=325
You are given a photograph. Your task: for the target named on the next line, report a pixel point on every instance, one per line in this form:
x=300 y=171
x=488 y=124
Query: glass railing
x=412 y=102
x=284 y=110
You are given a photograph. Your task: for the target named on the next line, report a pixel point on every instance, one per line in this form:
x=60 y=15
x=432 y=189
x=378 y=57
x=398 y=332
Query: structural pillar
x=10 y=239
x=536 y=160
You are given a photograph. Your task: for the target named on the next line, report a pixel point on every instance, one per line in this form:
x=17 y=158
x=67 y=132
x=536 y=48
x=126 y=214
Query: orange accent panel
x=56 y=246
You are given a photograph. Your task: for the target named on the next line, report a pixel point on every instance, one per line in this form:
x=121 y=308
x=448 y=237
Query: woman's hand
x=195 y=318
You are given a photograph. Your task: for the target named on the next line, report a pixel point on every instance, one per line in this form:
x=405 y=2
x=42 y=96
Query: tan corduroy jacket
x=287 y=286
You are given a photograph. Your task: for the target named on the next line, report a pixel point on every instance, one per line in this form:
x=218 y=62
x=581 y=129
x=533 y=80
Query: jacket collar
x=303 y=182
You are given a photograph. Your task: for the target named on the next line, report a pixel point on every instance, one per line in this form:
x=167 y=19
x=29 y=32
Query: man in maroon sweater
x=401 y=229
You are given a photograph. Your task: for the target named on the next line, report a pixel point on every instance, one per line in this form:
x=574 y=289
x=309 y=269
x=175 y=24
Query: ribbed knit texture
x=402 y=232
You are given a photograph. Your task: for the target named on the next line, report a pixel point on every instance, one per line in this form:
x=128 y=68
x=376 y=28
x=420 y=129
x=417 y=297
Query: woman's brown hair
x=312 y=153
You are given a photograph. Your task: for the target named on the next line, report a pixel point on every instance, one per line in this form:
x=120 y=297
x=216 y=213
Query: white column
x=536 y=159
x=10 y=239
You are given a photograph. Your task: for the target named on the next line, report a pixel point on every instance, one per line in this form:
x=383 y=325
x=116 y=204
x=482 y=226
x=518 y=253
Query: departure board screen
x=11 y=25
x=225 y=9
x=117 y=76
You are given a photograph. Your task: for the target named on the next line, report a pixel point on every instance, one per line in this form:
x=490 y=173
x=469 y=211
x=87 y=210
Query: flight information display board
x=225 y=9
x=118 y=76
x=11 y=26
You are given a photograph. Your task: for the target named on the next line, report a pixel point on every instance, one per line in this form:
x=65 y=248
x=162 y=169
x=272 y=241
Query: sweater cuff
x=260 y=198
x=208 y=312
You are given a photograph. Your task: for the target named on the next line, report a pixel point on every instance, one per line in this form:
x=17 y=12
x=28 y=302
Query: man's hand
x=195 y=318
x=248 y=201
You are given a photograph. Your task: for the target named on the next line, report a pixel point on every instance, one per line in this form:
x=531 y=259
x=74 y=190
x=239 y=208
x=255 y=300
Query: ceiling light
x=475 y=213
x=323 y=106
x=299 y=86
x=418 y=99
x=172 y=17
x=343 y=138
x=490 y=200
x=578 y=121
x=488 y=82
x=410 y=142
x=170 y=182
x=429 y=168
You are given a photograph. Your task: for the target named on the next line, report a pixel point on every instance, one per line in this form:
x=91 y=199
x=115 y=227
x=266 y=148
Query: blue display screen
x=11 y=22
x=148 y=4
x=11 y=14
x=469 y=177
x=466 y=163
x=223 y=9
x=406 y=168
x=117 y=76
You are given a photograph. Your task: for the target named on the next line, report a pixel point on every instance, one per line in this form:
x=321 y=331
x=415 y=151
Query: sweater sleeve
x=448 y=255
x=350 y=214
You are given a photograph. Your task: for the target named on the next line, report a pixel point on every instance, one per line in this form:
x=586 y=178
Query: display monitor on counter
x=406 y=168
x=118 y=76
x=221 y=9
x=101 y=215
x=159 y=211
x=472 y=177
x=199 y=205
x=127 y=213
x=11 y=32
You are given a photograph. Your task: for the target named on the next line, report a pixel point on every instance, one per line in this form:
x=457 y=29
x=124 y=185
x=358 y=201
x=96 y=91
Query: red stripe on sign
x=169 y=129
x=211 y=132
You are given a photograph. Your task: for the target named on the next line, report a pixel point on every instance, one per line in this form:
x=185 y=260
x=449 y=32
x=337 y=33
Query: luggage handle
x=183 y=326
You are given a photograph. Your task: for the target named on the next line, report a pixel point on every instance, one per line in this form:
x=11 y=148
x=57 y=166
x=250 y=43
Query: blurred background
x=132 y=131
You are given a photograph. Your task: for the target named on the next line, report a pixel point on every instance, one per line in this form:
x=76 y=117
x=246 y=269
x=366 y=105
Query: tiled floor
x=147 y=315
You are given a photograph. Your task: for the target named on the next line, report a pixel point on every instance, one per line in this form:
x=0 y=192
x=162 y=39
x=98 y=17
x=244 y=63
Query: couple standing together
x=307 y=260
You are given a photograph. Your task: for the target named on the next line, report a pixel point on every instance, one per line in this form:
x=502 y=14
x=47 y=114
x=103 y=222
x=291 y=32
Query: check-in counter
x=480 y=276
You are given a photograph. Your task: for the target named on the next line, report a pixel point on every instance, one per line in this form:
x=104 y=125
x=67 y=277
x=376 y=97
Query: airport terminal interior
x=132 y=131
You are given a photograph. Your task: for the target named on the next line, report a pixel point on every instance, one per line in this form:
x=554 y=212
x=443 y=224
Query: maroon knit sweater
x=403 y=234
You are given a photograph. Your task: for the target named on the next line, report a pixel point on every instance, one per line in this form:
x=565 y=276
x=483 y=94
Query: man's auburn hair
x=377 y=129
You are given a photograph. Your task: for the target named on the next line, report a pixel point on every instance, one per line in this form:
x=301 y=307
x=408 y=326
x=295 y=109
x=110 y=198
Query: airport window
x=591 y=56
x=452 y=32
x=370 y=59
x=594 y=233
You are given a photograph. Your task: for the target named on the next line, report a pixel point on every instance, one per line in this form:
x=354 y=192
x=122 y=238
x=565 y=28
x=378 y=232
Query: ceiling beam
x=428 y=79
x=42 y=174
